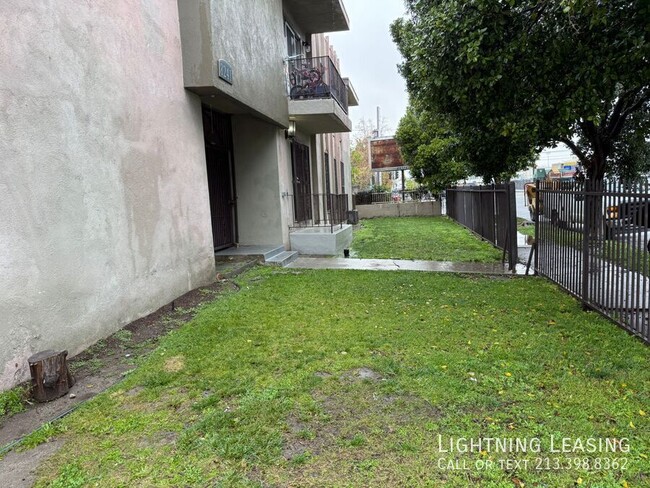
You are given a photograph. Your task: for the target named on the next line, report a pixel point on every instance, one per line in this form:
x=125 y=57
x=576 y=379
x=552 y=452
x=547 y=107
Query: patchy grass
x=348 y=378
x=525 y=227
x=12 y=401
x=428 y=238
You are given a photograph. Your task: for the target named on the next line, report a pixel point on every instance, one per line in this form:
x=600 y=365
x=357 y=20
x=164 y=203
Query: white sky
x=370 y=58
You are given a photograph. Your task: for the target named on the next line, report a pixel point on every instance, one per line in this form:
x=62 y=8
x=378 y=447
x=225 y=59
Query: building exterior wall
x=102 y=173
x=249 y=35
x=258 y=162
x=337 y=145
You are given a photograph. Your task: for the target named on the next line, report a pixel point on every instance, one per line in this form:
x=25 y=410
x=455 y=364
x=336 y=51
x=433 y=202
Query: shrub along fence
x=490 y=212
x=591 y=238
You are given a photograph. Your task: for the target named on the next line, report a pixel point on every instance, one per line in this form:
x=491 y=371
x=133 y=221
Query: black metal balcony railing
x=320 y=210
x=313 y=78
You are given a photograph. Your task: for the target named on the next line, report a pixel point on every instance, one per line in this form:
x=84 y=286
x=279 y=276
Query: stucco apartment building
x=139 y=136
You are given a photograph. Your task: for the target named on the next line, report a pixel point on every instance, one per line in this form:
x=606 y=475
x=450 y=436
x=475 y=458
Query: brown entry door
x=301 y=182
x=218 y=152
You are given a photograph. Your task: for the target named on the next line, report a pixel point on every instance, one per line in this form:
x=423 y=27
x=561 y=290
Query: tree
x=428 y=148
x=519 y=75
x=361 y=171
x=361 y=174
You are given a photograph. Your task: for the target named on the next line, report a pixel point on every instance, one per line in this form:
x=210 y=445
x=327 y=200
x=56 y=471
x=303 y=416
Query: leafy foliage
x=360 y=166
x=518 y=75
x=427 y=147
x=361 y=172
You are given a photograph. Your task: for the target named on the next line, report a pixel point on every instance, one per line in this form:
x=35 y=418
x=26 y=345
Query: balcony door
x=301 y=182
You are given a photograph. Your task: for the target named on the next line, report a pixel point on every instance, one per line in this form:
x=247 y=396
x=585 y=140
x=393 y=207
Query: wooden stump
x=50 y=376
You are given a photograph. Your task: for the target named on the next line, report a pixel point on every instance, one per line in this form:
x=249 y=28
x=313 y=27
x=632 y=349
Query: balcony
x=318 y=96
x=314 y=16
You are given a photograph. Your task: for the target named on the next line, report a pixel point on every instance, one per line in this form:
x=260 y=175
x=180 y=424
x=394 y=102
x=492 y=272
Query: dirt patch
x=96 y=369
x=160 y=439
x=175 y=364
x=18 y=469
x=351 y=414
x=362 y=374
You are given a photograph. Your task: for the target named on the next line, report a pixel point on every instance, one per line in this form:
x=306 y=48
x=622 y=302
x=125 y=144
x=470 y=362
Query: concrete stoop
x=270 y=254
x=282 y=258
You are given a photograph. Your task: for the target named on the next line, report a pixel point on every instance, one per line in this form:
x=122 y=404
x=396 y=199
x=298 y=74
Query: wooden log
x=51 y=378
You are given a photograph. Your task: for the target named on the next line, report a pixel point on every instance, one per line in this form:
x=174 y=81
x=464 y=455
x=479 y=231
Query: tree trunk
x=50 y=376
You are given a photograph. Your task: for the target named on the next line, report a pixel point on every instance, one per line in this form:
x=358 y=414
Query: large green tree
x=514 y=76
x=438 y=155
x=428 y=147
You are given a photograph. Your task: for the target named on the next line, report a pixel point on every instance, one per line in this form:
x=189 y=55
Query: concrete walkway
x=404 y=265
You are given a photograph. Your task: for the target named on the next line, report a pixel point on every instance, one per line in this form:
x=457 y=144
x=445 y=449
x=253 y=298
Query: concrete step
x=260 y=252
x=283 y=258
x=271 y=253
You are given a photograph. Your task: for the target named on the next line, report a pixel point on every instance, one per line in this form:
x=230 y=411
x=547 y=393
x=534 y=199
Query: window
x=342 y=177
x=294 y=46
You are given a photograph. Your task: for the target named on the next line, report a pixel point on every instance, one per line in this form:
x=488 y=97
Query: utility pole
x=379 y=135
x=378 y=121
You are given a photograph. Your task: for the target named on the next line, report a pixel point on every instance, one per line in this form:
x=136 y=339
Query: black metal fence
x=592 y=240
x=320 y=210
x=368 y=197
x=317 y=77
x=489 y=211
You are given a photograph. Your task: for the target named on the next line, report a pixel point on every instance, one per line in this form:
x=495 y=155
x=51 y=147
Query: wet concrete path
x=405 y=265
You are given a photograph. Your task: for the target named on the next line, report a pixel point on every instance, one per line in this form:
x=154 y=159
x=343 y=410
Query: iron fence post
x=586 y=229
x=538 y=184
x=512 y=223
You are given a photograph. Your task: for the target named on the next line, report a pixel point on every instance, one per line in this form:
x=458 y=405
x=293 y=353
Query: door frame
x=224 y=145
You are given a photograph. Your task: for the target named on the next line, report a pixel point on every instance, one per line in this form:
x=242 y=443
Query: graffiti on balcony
x=316 y=77
x=307 y=82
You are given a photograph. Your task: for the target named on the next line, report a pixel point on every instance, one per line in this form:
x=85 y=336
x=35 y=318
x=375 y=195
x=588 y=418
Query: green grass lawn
x=428 y=238
x=525 y=227
x=348 y=378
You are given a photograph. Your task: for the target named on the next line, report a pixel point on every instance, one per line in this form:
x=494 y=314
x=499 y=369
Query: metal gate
x=301 y=182
x=221 y=185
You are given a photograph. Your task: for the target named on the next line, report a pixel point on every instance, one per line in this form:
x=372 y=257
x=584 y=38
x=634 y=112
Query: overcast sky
x=370 y=58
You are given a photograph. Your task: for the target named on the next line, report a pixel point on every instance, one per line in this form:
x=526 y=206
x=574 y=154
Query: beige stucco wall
x=102 y=173
x=406 y=209
x=257 y=178
x=249 y=35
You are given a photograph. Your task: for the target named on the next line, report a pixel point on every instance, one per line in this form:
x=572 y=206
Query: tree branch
x=618 y=126
x=637 y=105
x=615 y=117
x=576 y=150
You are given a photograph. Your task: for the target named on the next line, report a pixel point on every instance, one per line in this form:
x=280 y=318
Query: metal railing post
x=536 y=242
x=512 y=224
x=586 y=230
